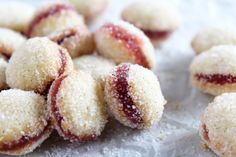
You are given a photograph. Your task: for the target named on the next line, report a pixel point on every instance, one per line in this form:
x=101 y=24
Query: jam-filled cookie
x=54 y=17
x=218 y=125
x=157 y=20
x=210 y=37
x=16 y=15
x=134 y=96
x=123 y=42
x=23 y=120
x=77 y=107
x=214 y=70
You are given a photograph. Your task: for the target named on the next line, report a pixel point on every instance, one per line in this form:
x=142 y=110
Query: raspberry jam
x=122 y=94
x=216 y=78
x=131 y=42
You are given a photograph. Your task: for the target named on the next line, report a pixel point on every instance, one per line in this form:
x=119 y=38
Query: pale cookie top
x=153 y=16
x=209 y=37
x=217 y=60
x=16 y=15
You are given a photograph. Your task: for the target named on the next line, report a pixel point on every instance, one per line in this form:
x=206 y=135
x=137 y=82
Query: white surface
x=177 y=133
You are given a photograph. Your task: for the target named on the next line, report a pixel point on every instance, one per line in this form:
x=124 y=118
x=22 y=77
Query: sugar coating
x=3 y=65
x=89 y=8
x=97 y=66
x=220 y=125
x=22 y=113
x=81 y=105
x=151 y=15
x=10 y=41
x=55 y=22
x=77 y=40
x=218 y=60
x=117 y=51
x=36 y=64
x=145 y=91
x=210 y=37
x=16 y=15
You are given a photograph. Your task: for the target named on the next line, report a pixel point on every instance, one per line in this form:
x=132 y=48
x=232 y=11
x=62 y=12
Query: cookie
x=24 y=124
x=16 y=15
x=217 y=128
x=123 y=42
x=157 y=20
x=134 y=96
x=214 y=70
x=210 y=37
x=53 y=17
x=76 y=107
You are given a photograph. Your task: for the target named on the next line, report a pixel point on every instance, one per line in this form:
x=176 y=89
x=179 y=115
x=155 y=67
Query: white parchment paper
x=176 y=135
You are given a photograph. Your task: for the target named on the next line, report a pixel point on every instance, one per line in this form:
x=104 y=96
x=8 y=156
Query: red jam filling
x=122 y=88
x=24 y=141
x=205 y=133
x=54 y=9
x=216 y=78
x=59 y=118
x=131 y=42
x=157 y=34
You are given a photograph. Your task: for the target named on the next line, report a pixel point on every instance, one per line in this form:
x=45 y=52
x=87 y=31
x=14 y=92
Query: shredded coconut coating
x=145 y=92
x=22 y=113
x=56 y=22
x=81 y=105
x=218 y=60
x=151 y=15
x=210 y=37
x=16 y=15
x=97 y=66
x=118 y=50
x=3 y=65
x=36 y=64
x=218 y=125
x=89 y=8
x=77 y=40
x=10 y=41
